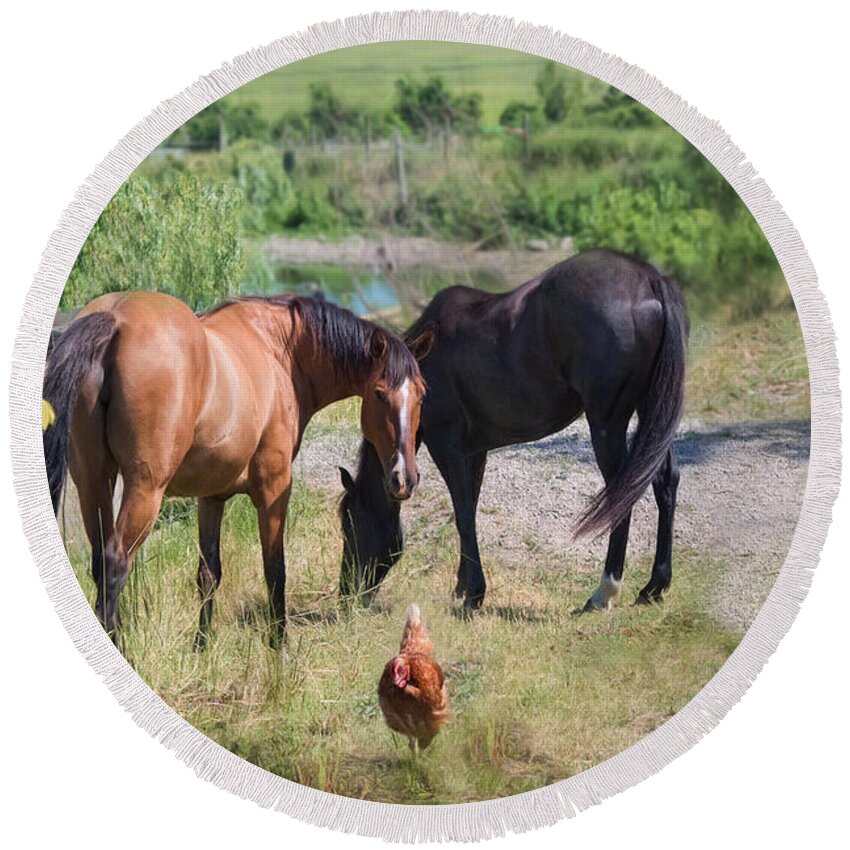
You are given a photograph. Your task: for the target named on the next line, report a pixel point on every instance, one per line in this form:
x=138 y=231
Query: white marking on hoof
x=604 y=595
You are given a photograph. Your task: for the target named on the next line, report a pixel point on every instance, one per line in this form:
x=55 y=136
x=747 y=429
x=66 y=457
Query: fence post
x=526 y=137
x=399 y=162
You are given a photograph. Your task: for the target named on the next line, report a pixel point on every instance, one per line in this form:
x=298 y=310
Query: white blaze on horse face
x=400 y=467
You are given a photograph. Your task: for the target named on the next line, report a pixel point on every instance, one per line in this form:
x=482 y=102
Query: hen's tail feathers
x=413 y=614
x=415 y=638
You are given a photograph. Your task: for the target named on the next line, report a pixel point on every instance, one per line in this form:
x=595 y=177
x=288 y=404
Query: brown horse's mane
x=344 y=336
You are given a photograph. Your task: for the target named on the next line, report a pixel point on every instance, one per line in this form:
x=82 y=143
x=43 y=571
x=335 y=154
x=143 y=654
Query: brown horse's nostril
x=395 y=483
x=399 y=485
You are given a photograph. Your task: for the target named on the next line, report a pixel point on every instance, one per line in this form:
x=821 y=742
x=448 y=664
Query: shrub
x=180 y=238
x=723 y=260
x=454 y=210
x=720 y=260
x=238 y=121
x=513 y=115
x=258 y=171
x=313 y=211
x=551 y=85
x=617 y=109
x=426 y=107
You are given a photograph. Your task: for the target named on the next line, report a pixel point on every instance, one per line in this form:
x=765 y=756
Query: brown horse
x=210 y=406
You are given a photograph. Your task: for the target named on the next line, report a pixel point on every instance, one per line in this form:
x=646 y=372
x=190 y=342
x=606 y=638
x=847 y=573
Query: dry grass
x=749 y=370
x=538 y=694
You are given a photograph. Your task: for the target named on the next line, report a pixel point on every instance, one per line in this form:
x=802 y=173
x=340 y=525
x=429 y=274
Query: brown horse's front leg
x=271 y=502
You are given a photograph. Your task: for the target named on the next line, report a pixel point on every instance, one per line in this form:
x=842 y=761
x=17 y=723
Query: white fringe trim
x=469 y=821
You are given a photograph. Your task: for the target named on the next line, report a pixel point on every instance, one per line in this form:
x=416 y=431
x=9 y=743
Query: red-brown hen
x=412 y=690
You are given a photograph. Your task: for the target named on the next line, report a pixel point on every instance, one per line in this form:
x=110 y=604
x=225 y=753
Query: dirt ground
x=403 y=253
x=740 y=495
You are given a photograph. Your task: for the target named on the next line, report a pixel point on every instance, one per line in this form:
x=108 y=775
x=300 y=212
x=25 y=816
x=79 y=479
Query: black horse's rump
x=659 y=414
x=603 y=334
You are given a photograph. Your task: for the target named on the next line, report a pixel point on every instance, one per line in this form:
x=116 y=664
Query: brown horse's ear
x=378 y=345
x=347 y=480
x=421 y=346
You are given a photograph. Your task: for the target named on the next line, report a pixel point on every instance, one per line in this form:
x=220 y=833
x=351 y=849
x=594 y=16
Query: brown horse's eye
x=380 y=395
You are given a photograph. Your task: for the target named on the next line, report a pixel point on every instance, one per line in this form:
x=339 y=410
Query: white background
x=76 y=77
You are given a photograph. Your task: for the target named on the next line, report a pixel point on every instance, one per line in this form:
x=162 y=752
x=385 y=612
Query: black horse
x=602 y=333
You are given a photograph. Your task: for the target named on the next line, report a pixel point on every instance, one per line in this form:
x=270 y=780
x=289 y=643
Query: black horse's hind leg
x=210 y=513
x=664 y=485
x=463 y=476
x=609 y=445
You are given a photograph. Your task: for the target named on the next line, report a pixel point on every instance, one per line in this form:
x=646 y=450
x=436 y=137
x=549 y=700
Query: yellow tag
x=48 y=415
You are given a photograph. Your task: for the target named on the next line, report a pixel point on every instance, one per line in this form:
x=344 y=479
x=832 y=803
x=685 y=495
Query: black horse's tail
x=659 y=415
x=75 y=352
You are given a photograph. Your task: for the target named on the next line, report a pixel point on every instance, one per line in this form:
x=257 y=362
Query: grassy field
x=538 y=694
x=365 y=76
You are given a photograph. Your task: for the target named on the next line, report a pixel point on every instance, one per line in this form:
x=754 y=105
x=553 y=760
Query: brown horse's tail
x=73 y=355
x=659 y=414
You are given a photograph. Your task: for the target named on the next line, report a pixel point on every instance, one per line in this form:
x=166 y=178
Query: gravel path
x=740 y=495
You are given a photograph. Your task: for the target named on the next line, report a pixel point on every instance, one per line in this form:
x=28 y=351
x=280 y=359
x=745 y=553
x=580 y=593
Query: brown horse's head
x=390 y=413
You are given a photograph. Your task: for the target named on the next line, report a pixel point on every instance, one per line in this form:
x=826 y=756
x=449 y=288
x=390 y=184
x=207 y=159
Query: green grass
x=538 y=694
x=365 y=76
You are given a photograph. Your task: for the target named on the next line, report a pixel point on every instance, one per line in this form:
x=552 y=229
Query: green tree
x=291 y=125
x=621 y=110
x=244 y=121
x=257 y=169
x=513 y=115
x=181 y=237
x=551 y=85
x=221 y=123
x=327 y=113
x=427 y=107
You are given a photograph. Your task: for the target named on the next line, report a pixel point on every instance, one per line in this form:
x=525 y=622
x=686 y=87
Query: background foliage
x=179 y=236
x=308 y=150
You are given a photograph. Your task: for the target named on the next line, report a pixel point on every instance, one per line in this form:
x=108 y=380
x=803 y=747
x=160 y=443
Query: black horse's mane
x=343 y=335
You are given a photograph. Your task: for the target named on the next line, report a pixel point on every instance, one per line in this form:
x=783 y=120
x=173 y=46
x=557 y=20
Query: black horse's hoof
x=199 y=644
x=649 y=597
x=460 y=591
